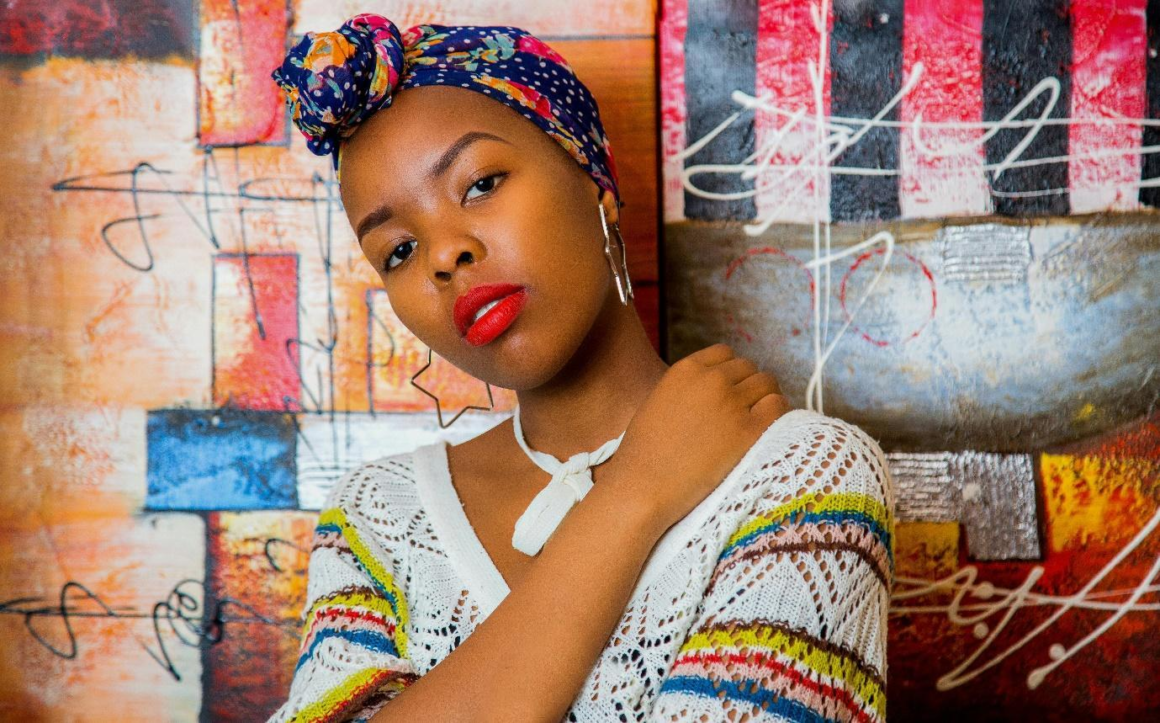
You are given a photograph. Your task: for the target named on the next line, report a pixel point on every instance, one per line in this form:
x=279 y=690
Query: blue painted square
x=221 y=460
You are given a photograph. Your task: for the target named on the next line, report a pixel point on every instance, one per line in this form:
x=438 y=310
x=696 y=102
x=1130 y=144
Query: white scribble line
x=1089 y=602
x=984 y=125
x=1132 y=186
x=962 y=583
x=1048 y=85
x=750 y=171
x=841 y=121
x=771 y=147
x=841 y=137
x=881 y=237
x=820 y=14
x=832 y=147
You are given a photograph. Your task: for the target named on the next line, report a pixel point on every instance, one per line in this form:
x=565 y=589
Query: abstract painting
x=194 y=348
x=938 y=220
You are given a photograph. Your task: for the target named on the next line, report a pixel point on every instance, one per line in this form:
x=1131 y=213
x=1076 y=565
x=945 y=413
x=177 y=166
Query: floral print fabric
x=336 y=80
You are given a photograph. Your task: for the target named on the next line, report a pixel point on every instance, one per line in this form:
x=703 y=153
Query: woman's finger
x=769 y=408
x=736 y=369
x=755 y=386
x=712 y=355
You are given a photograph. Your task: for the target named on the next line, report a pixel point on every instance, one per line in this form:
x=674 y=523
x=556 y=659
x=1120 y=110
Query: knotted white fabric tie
x=571 y=481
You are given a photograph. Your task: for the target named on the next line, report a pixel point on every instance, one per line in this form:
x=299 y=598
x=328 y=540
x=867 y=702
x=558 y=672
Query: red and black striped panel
x=1095 y=62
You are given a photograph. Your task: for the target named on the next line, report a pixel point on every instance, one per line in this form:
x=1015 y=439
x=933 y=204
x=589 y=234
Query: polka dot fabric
x=335 y=80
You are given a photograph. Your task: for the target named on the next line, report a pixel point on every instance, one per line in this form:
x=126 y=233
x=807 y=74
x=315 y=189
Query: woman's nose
x=449 y=254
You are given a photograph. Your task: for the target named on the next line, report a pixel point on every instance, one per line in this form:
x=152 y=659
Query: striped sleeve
x=792 y=625
x=353 y=656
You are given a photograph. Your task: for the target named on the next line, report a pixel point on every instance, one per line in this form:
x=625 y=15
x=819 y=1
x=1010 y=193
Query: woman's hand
x=691 y=431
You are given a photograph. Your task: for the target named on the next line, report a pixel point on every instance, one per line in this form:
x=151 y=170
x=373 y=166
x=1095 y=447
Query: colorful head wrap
x=336 y=80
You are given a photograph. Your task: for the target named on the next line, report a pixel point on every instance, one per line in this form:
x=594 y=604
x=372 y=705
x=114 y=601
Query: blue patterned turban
x=336 y=80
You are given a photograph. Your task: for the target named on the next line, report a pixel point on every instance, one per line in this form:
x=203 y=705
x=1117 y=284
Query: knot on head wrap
x=335 y=80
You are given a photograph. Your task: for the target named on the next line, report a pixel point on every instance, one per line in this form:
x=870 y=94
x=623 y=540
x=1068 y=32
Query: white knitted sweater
x=767 y=602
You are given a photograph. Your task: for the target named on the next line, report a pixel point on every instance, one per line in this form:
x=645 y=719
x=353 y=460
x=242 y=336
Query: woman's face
x=449 y=190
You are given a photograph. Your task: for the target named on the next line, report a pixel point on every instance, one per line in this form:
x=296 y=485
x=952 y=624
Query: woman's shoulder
x=376 y=508
x=800 y=423
x=379 y=488
x=805 y=453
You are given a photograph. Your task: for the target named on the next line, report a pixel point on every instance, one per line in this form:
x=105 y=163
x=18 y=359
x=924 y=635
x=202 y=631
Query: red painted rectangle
x=255 y=332
x=256 y=566
x=942 y=159
x=153 y=29
x=672 y=26
x=1109 y=72
x=791 y=153
x=241 y=42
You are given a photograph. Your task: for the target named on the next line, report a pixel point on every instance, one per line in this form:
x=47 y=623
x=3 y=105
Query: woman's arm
x=793 y=623
x=529 y=659
x=353 y=654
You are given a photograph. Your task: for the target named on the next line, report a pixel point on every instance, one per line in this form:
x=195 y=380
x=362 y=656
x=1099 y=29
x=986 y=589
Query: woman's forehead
x=409 y=138
x=426 y=120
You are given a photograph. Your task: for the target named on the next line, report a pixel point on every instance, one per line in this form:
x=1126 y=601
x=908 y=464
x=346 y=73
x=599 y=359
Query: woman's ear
x=611 y=207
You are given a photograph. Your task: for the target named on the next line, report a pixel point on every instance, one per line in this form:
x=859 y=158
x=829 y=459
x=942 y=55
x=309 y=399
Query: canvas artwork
x=194 y=348
x=938 y=220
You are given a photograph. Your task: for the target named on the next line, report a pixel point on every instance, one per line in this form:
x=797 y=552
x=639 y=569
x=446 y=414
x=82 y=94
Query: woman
x=723 y=558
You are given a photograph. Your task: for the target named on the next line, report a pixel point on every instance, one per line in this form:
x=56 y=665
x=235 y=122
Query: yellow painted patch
x=927 y=549
x=1093 y=499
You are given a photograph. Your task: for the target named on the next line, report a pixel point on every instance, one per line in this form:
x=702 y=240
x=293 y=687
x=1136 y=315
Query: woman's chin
x=524 y=356
x=521 y=369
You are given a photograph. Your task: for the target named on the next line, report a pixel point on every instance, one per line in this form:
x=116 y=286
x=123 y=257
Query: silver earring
x=623 y=288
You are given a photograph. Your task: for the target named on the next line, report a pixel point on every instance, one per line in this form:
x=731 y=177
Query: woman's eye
x=485 y=184
x=398 y=255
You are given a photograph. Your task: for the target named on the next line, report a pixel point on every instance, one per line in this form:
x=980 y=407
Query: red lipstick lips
x=494 y=321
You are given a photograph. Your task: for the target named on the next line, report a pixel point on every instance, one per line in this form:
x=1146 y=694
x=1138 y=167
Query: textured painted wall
x=192 y=347
x=938 y=220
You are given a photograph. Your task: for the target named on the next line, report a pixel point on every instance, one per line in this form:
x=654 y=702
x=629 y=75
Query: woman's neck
x=593 y=398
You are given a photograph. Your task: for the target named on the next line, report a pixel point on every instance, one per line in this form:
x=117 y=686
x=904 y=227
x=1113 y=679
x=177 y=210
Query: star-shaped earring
x=438 y=406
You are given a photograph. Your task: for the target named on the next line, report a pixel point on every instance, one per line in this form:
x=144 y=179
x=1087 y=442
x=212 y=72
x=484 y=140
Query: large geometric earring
x=438 y=406
x=623 y=288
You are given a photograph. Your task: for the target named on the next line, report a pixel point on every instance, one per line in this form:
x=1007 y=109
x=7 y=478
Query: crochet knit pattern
x=768 y=601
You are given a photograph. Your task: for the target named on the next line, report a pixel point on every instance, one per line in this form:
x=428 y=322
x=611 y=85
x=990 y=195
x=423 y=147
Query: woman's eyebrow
x=383 y=213
x=456 y=148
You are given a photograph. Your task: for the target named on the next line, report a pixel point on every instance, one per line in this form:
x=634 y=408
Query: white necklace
x=571 y=481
